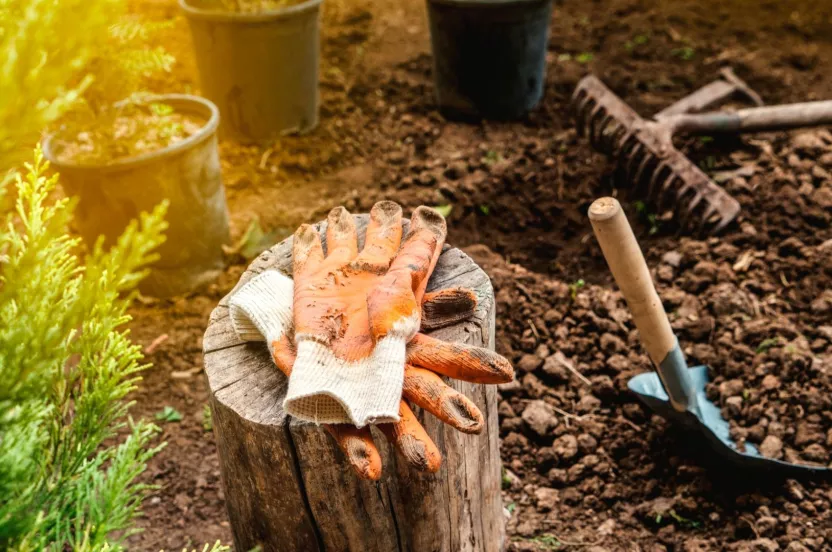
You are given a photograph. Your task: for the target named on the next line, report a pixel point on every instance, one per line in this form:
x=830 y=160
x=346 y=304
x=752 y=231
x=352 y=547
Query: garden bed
x=586 y=463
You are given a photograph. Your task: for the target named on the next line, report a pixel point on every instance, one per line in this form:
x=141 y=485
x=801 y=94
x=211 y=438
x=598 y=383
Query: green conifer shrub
x=69 y=452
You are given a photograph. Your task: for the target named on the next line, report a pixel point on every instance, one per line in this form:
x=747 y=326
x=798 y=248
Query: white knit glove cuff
x=261 y=310
x=322 y=388
x=329 y=390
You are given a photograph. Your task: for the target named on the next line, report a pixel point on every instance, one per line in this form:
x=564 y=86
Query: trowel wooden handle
x=629 y=269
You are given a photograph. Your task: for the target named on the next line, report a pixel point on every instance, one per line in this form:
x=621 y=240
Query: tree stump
x=289 y=488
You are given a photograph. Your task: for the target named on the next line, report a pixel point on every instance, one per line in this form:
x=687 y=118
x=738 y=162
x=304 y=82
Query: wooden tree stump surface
x=289 y=488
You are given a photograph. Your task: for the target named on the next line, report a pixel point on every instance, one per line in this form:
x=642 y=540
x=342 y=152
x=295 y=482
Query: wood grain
x=289 y=488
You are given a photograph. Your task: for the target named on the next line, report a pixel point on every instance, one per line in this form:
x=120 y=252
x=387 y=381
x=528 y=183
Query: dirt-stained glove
x=259 y=311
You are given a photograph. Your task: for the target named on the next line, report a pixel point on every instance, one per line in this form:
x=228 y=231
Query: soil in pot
x=244 y=6
x=127 y=131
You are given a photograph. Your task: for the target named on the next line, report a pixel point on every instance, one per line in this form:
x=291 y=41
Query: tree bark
x=289 y=488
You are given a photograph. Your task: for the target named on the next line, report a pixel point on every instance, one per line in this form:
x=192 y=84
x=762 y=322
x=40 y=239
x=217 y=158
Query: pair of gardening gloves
x=346 y=334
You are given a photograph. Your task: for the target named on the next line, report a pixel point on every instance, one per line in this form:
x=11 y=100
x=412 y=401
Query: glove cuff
x=326 y=389
x=261 y=310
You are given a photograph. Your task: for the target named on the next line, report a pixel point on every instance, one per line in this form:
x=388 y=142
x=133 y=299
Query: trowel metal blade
x=708 y=419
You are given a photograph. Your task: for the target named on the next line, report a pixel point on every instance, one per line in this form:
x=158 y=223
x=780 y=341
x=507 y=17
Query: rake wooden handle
x=757 y=119
x=628 y=267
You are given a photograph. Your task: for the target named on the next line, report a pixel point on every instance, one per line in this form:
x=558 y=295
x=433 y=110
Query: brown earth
x=753 y=304
x=126 y=131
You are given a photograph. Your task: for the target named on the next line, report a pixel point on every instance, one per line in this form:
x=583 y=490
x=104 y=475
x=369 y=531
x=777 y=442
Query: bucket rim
x=201 y=106
x=243 y=18
x=485 y=3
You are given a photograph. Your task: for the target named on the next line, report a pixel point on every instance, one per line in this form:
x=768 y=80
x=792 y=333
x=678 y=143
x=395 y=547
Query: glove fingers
x=459 y=361
x=412 y=441
x=421 y=248
x=384 y=236
x=446 y=307
x=427 y=390
x=341 y=239
x=307 y=252
x=393 y=305
x=283 y=352
x=359 y=448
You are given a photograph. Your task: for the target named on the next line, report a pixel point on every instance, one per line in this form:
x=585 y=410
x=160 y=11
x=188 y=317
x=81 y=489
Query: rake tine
x=724 y=221
x=595 y=117
x=628 y=149
x=609 y=127
x=638 y=178
x=633 y=158
x=581 y=110
x=658 y=174
x=706 y=217
x=687 y=210
x=613 y=137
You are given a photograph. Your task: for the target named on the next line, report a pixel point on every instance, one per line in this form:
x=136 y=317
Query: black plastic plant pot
x=186 y=174
x=261 y=69
x=489 y=56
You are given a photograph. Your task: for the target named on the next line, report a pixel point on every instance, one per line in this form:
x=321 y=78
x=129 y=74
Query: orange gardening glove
x=345 y=306
x=354 y=313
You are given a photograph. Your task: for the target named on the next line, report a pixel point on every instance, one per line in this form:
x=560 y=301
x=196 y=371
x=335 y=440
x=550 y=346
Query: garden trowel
x=674 y=391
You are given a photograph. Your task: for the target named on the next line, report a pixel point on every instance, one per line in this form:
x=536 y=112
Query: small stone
x=587 y=443
x=526 y=528
x=565 y=447
x=772 y=447
x=611 y=344
x=588 y=403
x=664 y=273
x=534 y=386
x=555 y=366
x=571 y=495
x=528 y=363
x=808 y=142
x=546 y=499
x=552 y=316
x=540 y=417
x=815 y=452
x=607 y=528
x=770 y=382
x=734 y=405
x=557 y=476
x=673 y=258
x=730 y=388
x=756 y=545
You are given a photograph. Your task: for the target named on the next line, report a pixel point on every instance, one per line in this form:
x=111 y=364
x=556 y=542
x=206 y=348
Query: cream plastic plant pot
x=261 y=69
x=187 y=174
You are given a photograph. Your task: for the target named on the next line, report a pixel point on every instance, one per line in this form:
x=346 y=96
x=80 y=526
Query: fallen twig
x=155 y=344
x=630 y=423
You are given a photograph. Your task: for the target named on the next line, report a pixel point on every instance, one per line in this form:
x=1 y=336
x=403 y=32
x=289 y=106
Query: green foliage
x=169 y=414
x=584 y=57
x=255 y=240
x=444 y=210
x=651 y=218
x=767 y=344
x=574 y=287
x=492 y=157
x=207 y=418
x=61 y=56
x=66 y=366
x=547 y=541
x=685 y=53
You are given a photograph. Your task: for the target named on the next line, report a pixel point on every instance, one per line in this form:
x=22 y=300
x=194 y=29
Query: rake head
x=646 y=159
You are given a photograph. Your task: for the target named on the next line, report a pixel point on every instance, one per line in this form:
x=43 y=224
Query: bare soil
x=244 y=6
x=753 y=304
x=127 y=131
